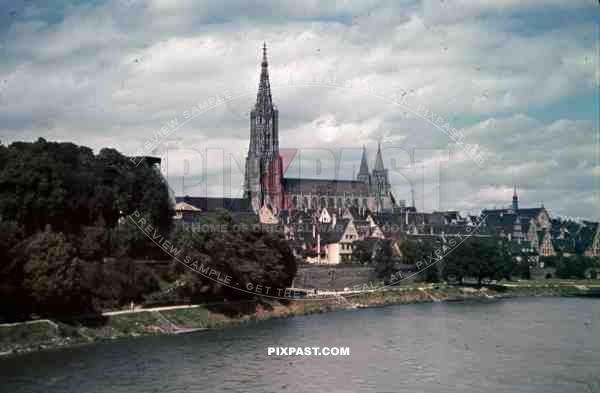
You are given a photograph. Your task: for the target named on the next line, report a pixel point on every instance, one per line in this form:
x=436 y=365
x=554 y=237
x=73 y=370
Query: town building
x=518 y=224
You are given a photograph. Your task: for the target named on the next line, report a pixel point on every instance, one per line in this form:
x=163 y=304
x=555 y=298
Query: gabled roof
x=532 y=212
x=499 y=221
x=333 y=233
x=297 y=216
x=527 y=213
x=208 y=203
x=183 y=206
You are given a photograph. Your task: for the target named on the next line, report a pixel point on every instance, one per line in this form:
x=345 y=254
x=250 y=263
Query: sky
x=466 y=97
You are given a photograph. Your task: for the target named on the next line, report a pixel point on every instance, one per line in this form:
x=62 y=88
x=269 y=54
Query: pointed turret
x=515 y=199
x=380 y=181
x=364 y=167
x=379 y=159
x=363 y=172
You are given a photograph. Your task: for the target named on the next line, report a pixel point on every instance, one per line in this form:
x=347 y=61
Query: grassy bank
x=39 y=335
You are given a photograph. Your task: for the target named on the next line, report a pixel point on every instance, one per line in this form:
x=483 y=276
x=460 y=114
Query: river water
x=521 y=345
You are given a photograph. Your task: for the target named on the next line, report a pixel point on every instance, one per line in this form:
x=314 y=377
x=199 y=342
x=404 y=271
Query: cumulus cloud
x=115 y=73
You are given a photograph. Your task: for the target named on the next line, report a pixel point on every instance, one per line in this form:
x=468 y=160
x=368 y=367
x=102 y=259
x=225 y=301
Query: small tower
x=515 y=200
x=363 y=172
x=380 y=180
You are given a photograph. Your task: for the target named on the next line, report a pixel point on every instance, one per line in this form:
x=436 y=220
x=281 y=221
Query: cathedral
x=266 y=187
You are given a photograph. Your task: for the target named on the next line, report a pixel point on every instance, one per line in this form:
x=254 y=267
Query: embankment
x=45 y=334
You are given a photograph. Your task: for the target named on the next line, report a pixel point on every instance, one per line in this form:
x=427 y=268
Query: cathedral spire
x=515 y=199
x=379 y=159
x=363 y=171
x=364 y=167
x=264 y=102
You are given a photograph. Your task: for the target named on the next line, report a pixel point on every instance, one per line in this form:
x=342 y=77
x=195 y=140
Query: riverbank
x=46 y=334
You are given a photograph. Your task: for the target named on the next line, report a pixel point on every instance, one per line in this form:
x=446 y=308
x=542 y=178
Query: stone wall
x=334 y=277
x=337 y=277
x=538 y=273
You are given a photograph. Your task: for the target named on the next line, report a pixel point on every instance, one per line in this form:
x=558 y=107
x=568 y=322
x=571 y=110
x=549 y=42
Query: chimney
x=318 y=248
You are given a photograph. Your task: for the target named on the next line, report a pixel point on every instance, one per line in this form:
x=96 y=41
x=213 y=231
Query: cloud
x=115 y=73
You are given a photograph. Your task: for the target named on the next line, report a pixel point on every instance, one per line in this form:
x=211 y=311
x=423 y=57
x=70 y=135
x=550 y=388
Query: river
x=520 y=345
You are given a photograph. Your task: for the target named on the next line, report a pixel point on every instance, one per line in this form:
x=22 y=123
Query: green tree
x=54 y=275
x=409 y=250
x=67 y=187
x=478 y=259
x=361 y=252
x=13 y=298
x=572 y=267
x=248 y=255
x=385 y=263
x=431 y=270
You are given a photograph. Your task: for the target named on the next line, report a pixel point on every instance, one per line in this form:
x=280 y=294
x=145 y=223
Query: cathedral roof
x=323 y=187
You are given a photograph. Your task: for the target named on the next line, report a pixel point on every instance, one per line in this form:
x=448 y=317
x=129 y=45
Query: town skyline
x=503 y=103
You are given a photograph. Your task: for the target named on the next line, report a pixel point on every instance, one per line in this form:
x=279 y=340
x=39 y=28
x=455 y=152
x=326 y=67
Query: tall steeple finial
x=264 y=59
x=515 y=199
x=264 y=102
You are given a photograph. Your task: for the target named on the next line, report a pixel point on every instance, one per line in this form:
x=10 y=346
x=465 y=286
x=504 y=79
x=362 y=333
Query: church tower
x=363 y=172
x=262 y=184
x=515 y=200
x=380 y=181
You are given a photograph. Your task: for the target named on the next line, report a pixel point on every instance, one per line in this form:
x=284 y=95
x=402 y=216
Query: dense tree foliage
x=385 y=263
x=249 y=256
x=425 y=251
x=67 y=248
x=575 y=267
x=67 y=187
x=13 y=298
x=53 y=274
x=478 y=259
x=362 y=252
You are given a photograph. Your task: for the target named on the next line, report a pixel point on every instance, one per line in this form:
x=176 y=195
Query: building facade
x=266 y=186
